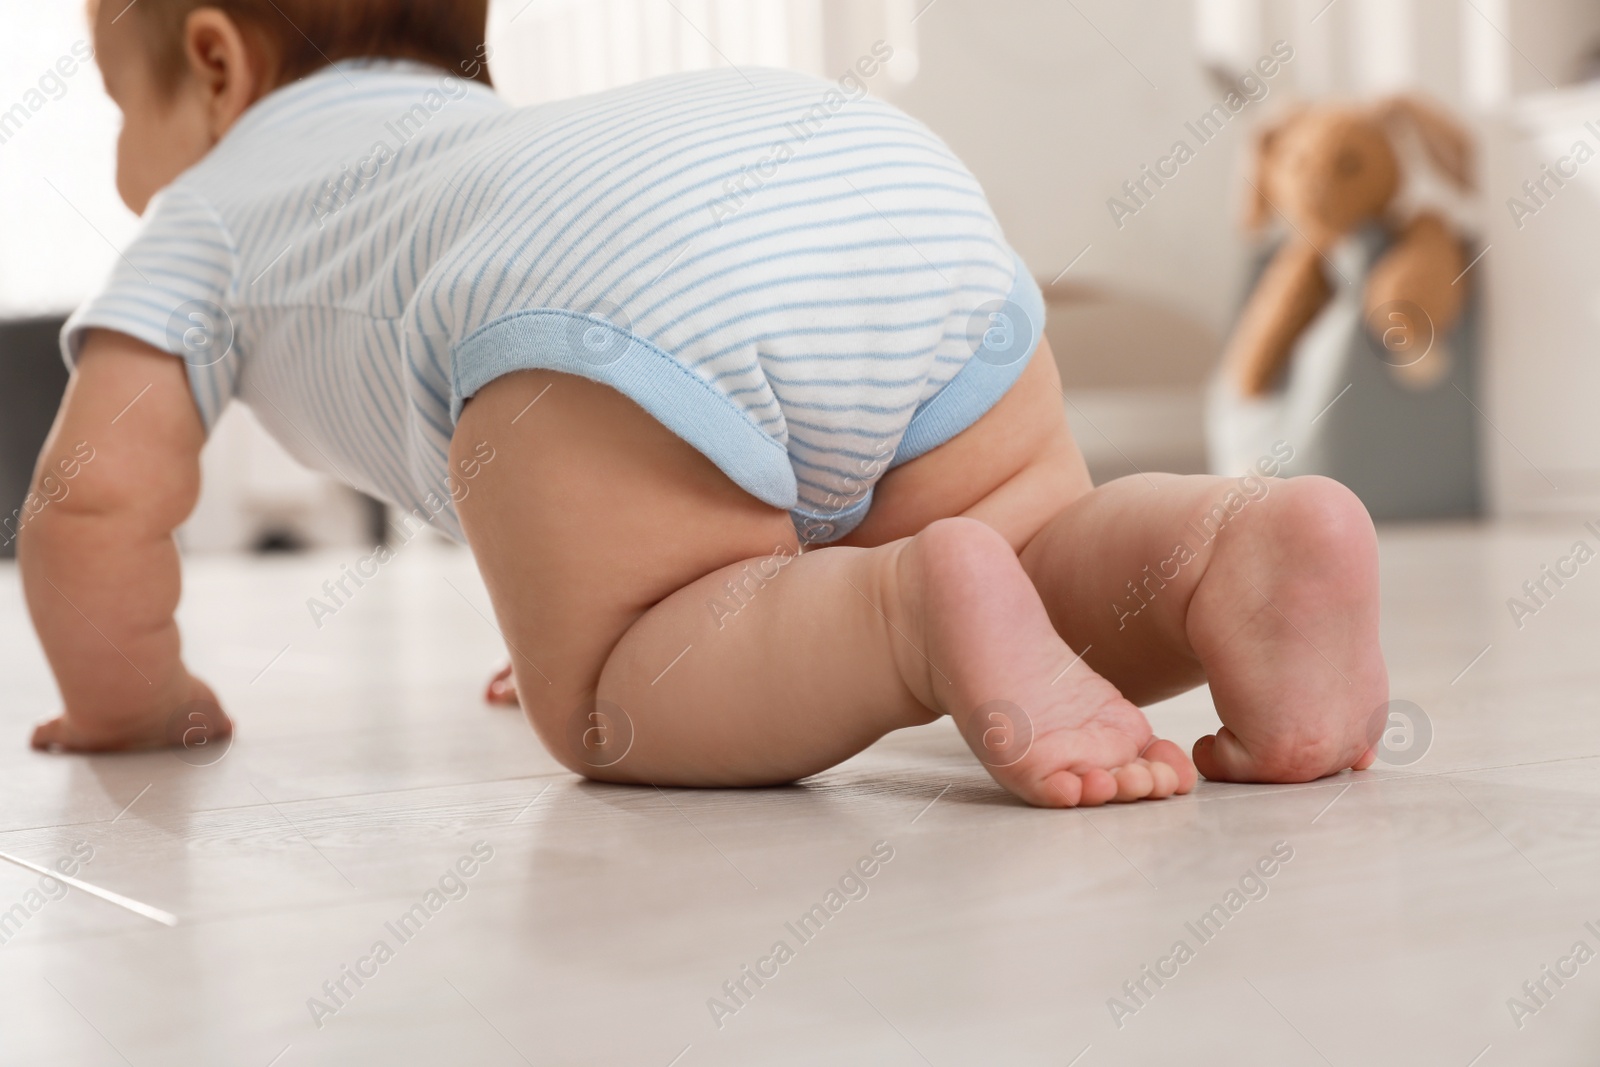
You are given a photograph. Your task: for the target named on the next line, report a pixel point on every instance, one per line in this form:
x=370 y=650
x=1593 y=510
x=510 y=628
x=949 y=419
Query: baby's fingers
x=60 y=735
x=57 y=735
x=47 y=736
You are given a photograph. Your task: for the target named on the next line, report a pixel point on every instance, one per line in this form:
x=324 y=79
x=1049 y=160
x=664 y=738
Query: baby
x=728 y=379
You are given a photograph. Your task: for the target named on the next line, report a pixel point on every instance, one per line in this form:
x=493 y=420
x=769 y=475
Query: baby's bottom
x=665 y=629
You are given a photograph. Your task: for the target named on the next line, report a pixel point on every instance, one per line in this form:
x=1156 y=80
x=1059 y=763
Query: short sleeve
x=172 y=290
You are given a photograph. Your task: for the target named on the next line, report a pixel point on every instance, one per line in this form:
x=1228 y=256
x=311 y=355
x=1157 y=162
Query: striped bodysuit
x=802 y=282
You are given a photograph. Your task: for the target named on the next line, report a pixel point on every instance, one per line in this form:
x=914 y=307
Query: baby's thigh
x=590 y=513
x=1016 y=468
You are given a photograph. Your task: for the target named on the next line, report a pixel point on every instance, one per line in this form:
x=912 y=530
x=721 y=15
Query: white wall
x=1053 y=117
x=1038 y=103
x=1471 y=54
x=1044 y=110
x=60 y=219
x=1051 y=104
x=1518 y=47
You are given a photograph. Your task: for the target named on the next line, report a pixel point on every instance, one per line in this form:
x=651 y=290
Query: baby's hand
x=198 y=713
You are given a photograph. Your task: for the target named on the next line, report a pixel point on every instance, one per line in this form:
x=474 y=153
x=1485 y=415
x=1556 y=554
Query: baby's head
x=183 y=71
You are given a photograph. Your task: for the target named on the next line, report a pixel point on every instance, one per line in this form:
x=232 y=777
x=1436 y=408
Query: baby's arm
x=119 y=473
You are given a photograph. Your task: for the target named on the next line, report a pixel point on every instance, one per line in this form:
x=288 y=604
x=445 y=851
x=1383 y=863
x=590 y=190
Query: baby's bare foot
x=1046 y=726
x=1285 y=621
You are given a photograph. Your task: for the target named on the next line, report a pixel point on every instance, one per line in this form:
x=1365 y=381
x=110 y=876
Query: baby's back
x=779 y=271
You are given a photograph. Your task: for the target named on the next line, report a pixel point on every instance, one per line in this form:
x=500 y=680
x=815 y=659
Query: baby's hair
x=297 y=37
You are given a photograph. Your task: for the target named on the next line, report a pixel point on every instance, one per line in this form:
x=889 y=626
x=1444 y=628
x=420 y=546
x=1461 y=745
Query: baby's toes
x=1167 y=758
x=1154 y=777
x=1135 y=781
x=502 y=691
x=1223 y=757
x=1064 y=789
x=1142 y=779
x=1099 y=787
x=1164 y=780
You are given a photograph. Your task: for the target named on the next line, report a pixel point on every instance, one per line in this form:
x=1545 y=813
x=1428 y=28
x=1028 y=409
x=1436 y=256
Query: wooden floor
x=1414 y=903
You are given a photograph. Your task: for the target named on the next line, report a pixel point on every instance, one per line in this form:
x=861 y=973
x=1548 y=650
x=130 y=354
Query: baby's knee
x=1310 y=540
x=1308 y=533
x=949 y=544
x=587 y=735
x=1309 y=516
x=1321 y=518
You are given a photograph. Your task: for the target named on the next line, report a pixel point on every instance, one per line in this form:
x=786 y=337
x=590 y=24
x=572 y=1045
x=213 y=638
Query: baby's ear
x=1448 y=144
x=1258 y=202
x=224 y=64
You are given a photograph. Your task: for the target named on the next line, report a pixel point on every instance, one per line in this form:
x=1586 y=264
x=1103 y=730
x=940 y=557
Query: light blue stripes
x=806 y=332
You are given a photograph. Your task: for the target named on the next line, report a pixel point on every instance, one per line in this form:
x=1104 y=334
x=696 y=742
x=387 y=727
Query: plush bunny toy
x=1327 y=171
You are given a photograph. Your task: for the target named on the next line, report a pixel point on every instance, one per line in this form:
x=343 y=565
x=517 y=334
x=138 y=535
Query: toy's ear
x=1258 y=205
x=1448 y=145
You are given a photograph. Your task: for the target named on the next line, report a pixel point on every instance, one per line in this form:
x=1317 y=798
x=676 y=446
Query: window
x=550 y=49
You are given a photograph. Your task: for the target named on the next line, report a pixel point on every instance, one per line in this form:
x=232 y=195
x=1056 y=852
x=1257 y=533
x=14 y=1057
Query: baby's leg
x=664 y=628
x=1267 y=589
x=1273 y=597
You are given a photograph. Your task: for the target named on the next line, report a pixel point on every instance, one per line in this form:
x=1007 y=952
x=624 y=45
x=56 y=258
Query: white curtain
x=552 y=49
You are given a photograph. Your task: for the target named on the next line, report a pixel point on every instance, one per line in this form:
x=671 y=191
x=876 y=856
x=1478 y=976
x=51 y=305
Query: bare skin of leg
x=629 y=673
x=1277 y=609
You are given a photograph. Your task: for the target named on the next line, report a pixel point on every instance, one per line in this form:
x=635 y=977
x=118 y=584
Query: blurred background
x=1055 y=105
